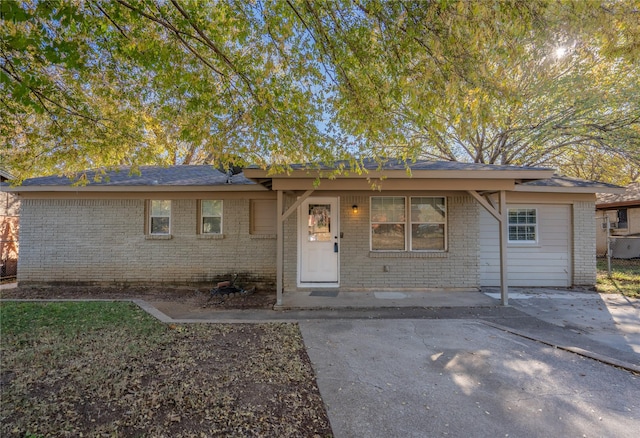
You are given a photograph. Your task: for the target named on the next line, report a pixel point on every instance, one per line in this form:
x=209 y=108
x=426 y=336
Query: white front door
x=318 y=244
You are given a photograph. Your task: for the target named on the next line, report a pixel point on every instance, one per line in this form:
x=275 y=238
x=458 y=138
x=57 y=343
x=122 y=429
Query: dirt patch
x=187 y=297
x=112 y=370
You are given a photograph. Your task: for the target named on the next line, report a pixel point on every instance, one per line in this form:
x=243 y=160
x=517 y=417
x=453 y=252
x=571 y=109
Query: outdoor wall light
x=354 y=208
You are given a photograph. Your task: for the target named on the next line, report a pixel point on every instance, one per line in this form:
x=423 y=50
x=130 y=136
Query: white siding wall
x=546 y=263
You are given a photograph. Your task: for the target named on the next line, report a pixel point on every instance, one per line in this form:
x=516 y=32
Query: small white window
x=159 y=217
x=211 y=217
x=523 y=225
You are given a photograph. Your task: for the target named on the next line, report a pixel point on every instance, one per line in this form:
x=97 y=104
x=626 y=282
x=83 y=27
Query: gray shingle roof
x=4 y=175
x=193 y=175
x=569 y=182
x=631 y=196
x=395 y=164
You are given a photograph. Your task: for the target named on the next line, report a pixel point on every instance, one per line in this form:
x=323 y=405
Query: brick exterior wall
x=104 y=242
x=584 y=244
x=361 y=269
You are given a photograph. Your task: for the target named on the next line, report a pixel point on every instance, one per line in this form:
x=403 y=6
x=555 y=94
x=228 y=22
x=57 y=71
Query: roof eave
x=138 y=189
x=563 y=189
x=614 y=205
x=534 y=174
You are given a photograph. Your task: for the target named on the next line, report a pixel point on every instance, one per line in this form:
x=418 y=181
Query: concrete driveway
x=611 y=319
x=463 y=378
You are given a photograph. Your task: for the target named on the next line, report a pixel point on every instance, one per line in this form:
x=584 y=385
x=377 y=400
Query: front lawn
x=109 y=369
x=625 y=277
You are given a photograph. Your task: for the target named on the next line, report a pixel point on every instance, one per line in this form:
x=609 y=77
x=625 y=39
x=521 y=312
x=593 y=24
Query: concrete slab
x=385 y=299
x=611 y=319
x=5 y=286
x=461 y=378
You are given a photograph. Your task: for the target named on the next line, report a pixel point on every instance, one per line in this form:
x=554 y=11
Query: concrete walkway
x=328 y=299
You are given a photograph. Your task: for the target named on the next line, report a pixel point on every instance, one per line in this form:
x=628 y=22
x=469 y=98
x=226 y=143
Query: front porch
x=333 y=299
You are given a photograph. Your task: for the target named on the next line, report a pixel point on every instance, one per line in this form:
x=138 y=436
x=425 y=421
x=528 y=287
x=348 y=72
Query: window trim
x=371 y=223
x=201 y=217
x=408 y=229
x=619 y=215
x=150 y=216
x=535 y=225
x=444 y=223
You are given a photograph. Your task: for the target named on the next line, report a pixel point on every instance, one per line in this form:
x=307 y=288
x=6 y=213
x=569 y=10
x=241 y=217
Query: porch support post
x=500 y=213
x=280 y=248
x=282 y=216
x=504 y=287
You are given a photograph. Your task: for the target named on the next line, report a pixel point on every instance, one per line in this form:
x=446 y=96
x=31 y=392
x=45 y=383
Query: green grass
x=625 y=277
x=110 y=369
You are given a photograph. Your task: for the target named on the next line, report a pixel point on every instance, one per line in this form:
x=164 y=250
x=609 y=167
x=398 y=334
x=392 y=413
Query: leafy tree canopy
x=102 y=83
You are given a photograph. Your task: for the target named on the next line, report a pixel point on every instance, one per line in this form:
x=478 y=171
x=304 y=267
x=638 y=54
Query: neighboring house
x=433 y=227
x=623 y=211
x=9 y=225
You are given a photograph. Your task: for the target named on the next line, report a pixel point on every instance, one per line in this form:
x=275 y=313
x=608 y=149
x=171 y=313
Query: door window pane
x=319 y=223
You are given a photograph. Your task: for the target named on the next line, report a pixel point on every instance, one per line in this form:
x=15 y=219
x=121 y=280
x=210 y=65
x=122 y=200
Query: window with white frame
x=523 y=225
x=428 y=223
x=159 y=216
x=211 y=216
x=423 y=229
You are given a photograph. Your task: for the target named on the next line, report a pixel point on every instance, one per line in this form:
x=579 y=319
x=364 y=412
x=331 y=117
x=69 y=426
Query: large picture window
x=159 y=217
x=211 y=217
x=523 y=225
x=392 y=229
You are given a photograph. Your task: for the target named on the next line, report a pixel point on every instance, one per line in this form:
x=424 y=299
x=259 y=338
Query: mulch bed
x=201 y=298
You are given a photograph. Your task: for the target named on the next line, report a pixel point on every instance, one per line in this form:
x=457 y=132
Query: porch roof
x=395 y=174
